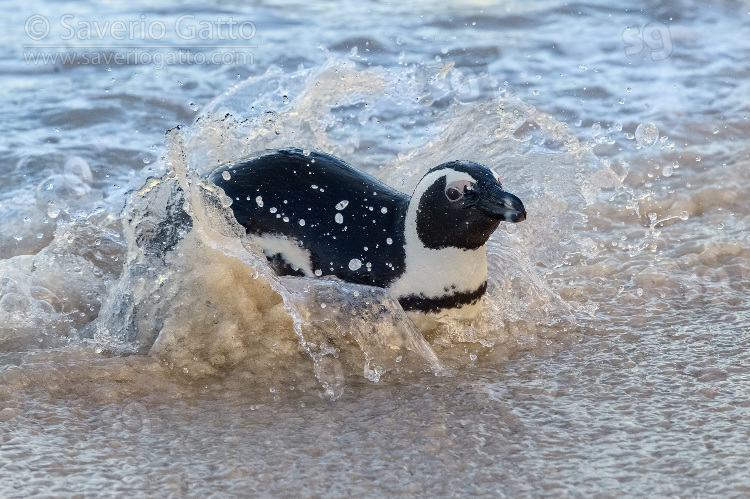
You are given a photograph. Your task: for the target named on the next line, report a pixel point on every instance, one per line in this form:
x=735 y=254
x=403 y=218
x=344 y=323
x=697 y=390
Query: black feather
x=309 y=186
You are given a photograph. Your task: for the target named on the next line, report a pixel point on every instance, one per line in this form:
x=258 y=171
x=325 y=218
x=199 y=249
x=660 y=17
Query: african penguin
x=314 y=215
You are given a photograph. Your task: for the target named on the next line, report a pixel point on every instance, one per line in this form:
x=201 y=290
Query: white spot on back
x=288 y=248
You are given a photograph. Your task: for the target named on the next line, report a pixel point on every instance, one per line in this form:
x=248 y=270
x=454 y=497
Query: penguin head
x=460 y=204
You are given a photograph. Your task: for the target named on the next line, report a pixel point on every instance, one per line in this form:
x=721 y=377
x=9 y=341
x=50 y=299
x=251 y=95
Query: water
x=145 y=349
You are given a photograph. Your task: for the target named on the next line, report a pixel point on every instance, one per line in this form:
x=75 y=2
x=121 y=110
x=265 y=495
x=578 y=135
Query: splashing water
x=179 y=219
x=646 y=134
x=615 y=314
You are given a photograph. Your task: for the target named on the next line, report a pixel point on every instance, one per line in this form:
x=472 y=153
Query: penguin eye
x=453 y=194
x=456 y=190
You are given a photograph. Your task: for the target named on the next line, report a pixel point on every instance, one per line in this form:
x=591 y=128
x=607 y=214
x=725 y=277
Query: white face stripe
x=497 y=177
x=424 y=184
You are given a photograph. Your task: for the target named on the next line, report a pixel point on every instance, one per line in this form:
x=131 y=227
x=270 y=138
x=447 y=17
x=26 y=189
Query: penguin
x=314 y=215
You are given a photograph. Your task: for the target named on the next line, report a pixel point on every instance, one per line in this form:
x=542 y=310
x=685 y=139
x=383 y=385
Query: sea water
x=146 y=348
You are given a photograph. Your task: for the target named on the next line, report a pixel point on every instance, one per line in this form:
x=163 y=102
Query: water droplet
x=322 y=305
x=596 y=130
x=273 y=210
x=286 y=219
x=301 y=222
x=684 y=215
x=716 y=130
x=285 y=99
x=53 y=211
x=18 y=237
x=384 y=210
x=318 y=272
x=342 y=204
x=225 y=175
x=589 y=248
x=259 y=201
x=355 y=264
x=339 y=218
x=389 y=241
x=473 y=356
x=314 y=186
x=667 y=171
x=720 y=226
x=639 y=291
x=646 y=134
x=39 y=235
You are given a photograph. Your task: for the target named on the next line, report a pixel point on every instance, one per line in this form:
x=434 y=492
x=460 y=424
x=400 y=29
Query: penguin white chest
x=434 y=273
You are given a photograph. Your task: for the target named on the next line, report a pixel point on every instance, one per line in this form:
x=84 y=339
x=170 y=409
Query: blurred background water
x=144 y=349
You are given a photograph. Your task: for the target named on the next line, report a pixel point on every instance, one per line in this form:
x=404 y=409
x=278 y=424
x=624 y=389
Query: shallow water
x=146 y=348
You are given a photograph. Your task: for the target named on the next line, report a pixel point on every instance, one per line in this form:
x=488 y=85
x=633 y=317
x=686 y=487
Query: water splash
x=178 y=229
x=646 y=134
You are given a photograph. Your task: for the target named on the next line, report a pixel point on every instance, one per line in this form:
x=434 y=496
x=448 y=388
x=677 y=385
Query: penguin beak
x=501 y=205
